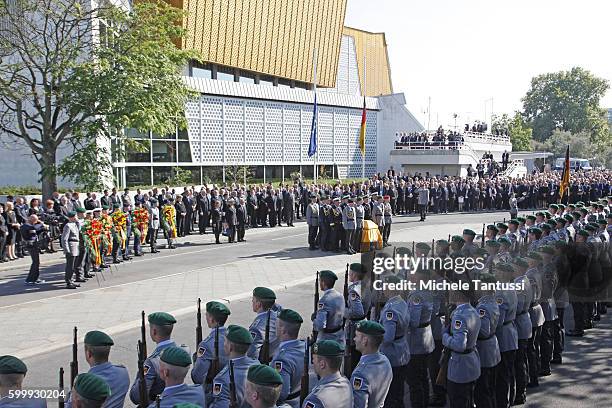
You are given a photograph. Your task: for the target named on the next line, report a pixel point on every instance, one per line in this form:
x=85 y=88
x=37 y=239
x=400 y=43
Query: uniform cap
x=521 y=262
x=176 y=356
x=370 y=327
x=357 y=267
x=504 y=241
x=492 y=227
x=492 y=243
x=534 y=255
x=584 y=233
x=535 y=230
x=539 y=214
x=12 y=365
x=531 y=217
x=469 y=232
x=403 y=251
x=501 y=225
x=520 y=219
x=602 y=221
x=457 y=238
x=261 y=374
x=568 y=217
x=81 y=210
x=442 y=243
x=423 y=246
x=561 y=221
x=238 y=334
x=264 y=293
x=504 y=267
x=217 y=308
x=514 y=222
x=328 y=275
x=71 y=214
x=554 y=206
x=546 y=226
x=328 y=348
x=547 y=250
x=291 y=316
x=161 y=318
x=98 y=338
x=91 y=387
x=552 y=222
x=561 y=207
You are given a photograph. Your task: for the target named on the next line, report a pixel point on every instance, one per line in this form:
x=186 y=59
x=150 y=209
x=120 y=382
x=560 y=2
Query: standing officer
x=523 y=329
x=288 y=361
x=348 y=223
x=12 y=374
x=460 y=339
x=70 y=243
x=333 y=390
x=237 y=342
x=469 y=248
x=388 y=214
x=154 y=224
x=312 y=219
x=173 y=367
x=262 y=303
x=327 y=321
x=423 y=200
x=372 y=376
x=89 y=391
x=160 y=330
x=241 y=217
x=358 y=305
x=378 y=214
x=216 y=316
x=324 y=224
x=359 y=217
x=263 y=387
x=231 y=220
x=97 y=349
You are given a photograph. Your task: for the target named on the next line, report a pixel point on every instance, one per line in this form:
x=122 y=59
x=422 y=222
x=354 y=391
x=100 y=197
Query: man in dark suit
x=216 y=216
x=203 y=209
x=278 y=207
x=271 y=205
x=241 y=217
x=251 y=207
x=181 y=218
x=187 y=199
x=288 y=205
x=231 y=220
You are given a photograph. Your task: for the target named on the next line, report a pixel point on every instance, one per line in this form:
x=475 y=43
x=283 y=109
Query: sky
x=469 y=56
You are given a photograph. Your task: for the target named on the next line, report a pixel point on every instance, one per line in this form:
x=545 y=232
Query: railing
x=467 y=136
x=512 y=166
x=438 y=146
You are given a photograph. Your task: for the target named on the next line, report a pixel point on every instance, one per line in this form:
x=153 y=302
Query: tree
x=520 y=133
x=568 y=101
x=580 y=145
x=73 y=75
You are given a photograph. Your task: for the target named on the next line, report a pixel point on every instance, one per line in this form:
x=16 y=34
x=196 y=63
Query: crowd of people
x=441 y=138
x=483 y=346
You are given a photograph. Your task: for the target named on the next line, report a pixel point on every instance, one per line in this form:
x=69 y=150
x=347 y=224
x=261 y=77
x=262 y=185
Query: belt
x=337 y=329
x=486 y=338
x=522 y=313
x=507 y=322
x=440 y=315
x=73 y=240
x=423 y=325
x=357 y=319
x=466 y=351
x=293 y=395
x=399 y=337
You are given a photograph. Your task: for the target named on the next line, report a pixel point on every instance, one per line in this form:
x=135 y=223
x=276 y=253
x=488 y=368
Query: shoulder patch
x=499 y=300
x=416 y=301
x=146 y=368
x=353 y=296
x=278 y=366
x=389 y=315
x=201 y=351
x=309 y=404
x=217 y=388
x=253 y=334
x=320 y=306
x=357 y=382
x=457 y=324
x=481 y=312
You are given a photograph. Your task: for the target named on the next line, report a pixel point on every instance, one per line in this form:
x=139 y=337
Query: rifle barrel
x=60 y=399
x=143 y=334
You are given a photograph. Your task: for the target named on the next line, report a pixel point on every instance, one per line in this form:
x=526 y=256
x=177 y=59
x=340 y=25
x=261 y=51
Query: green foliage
x=88 y=167
x=520 y=133
x=568 y=101
x=580 y=147
x=180 y=177
x=235 y=173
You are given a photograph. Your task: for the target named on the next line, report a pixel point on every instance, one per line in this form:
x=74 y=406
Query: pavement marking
x=123 y=327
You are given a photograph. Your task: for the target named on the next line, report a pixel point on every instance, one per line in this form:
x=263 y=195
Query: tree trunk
x=48 y=173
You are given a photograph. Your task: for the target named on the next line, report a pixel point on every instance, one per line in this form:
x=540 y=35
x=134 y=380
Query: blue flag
x=312 y=148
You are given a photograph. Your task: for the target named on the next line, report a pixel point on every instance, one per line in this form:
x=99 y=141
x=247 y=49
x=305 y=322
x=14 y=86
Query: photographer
x=51 y=219
x=30 y=233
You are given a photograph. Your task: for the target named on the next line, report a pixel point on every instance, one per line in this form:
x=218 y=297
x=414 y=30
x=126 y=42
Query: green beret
x=161 y=318
x=492 y=243
x=547 y=214
x=488 y=278
x=357 y=267
x=552 y=222
x=504 y=241
x=176 y=356
x=492 y=227
x=576 y=214
x=547 y=250
x=403 y=251
x=534 y=255
x=329 y=275
x=568 y=217
x=545 y=226
x=504 y=267
x=98 y=338
x=261 y=374
x=561 y=207
x=91 y=387
x=521 y=262
x=239 y=335
x=264 y=293
x=554 y=206
x=457 y=238
x=584 y=233
x=501 y=225
x=393 y=279
x=513 y=222
x=469 y=232
x=539 y=214
x=12 y=365
x=290 y=316
x=584 y=211
x=535 y=230
x=217 y=308
x=520 y=219
x=589 y=227
x=116 y=205
x=602 y=221
x=370 y=327
x=328 y=348
x=580 y=203
x=561 y=221
x=423 y=246
x=442 y=243
x=531 y=217
x=71 y=214
x=81 y=210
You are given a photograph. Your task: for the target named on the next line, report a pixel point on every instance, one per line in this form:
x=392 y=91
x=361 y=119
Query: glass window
x=161 y=175
x=138 y=176
x=183 y=135
x=164 y=151
x=168 y=136
x=247 y=78
x=194 y=173
x=136 y=134
x=184 y=152
x=197 y=72
x=139 y=152
x=284 y=83
x=224 y=76
x=266 y=80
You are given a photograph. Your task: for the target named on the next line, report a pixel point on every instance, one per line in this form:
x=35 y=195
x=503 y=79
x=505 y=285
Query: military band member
x=333 y=390
x=216 y=315
x=263 y=387
x=288 y=361
x=262 y=301
x=372 y=376
x=173 y=367
x=89 y=391
x=237 y=341
x=327 y=321
x=312 y=219
x=12 y=374
x=160 y=330
x=97 y=349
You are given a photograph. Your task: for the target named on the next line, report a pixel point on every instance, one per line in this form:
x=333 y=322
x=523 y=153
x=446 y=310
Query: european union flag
x=312 y=148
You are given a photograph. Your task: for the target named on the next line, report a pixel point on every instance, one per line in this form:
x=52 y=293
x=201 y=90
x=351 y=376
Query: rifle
x=346 y=292
x=433 y=247
x=143 y=334
x=60 y=398
x=157 y=401
x=316 y=307
x=305 y=383
x=348 y=360
x=264 y=352
x=232 y=384
x=214 y=366
x=483 y=236
x=199 y=324
x=446 y=355
x=74 y=364
x=142 y=386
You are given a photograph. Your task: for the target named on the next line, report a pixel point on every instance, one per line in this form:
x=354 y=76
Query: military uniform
x=349 y=225
x=507 y=337
x=537 y=321
x=70 y=242
x=258 y=331
x=181 y=393
x=155 y=385
x=420 y=344
x=523 y=329
x=206 y=354
x=359 y=301
x=388 y=215
x=289 y=362
x=117 y=378
x=329 y=316
x=14 y=366
x=312 y=219
x=220 y=397
x=359 y=217
x=488 y=351
x=371 y=380
x=332 y=391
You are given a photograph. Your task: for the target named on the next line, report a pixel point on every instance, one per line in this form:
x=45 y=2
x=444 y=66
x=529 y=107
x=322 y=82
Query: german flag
x=362 y=129
x=565 y=176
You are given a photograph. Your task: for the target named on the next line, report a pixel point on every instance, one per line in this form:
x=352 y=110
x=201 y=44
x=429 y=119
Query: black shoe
x=596 y=318
x=80 y=280
x=172 y=246
x=88 y=276
x=104 y=266
x=544 y=373
x=39 y=281
x=137 y=254
x=70 y=286
x=556 y=360
x=519 y=401
x=437 y=401
x=127 y=258
x=116 y=261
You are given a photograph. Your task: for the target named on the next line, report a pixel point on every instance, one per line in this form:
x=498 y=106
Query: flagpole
x=364 y=95
x=316 y=111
